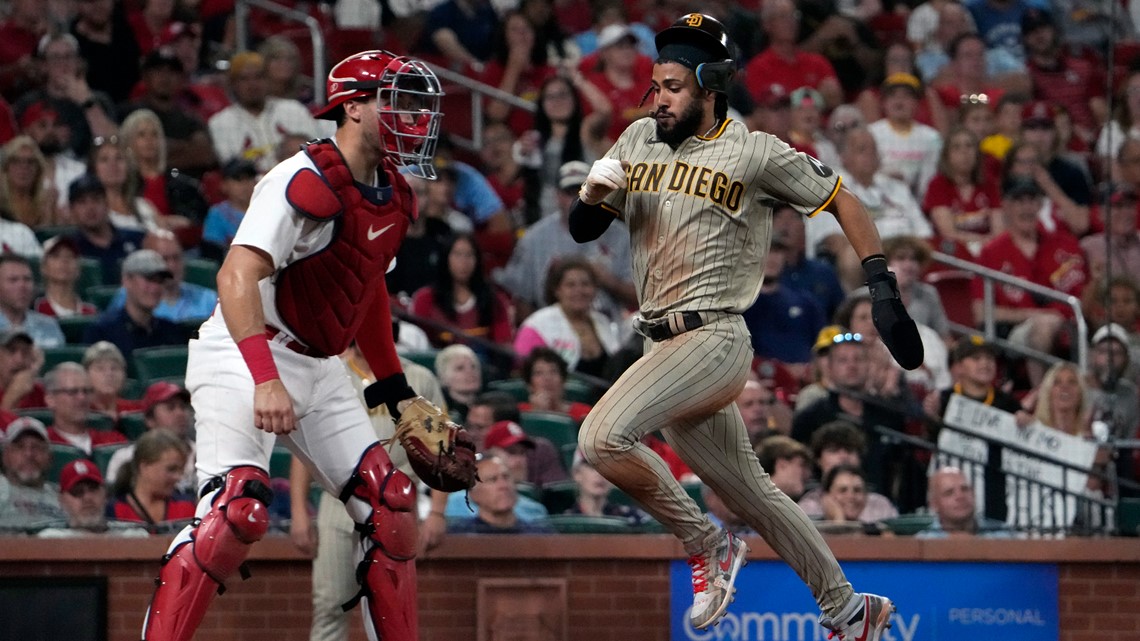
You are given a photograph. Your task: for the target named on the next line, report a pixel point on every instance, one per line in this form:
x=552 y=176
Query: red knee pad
x=197 y=569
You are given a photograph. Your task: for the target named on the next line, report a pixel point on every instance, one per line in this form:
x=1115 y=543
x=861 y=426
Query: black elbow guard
x=588 y=222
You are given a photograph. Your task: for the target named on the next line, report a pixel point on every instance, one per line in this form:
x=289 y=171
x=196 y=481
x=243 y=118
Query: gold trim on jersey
x=718 y=131
x=838 y=184
x=610 y=208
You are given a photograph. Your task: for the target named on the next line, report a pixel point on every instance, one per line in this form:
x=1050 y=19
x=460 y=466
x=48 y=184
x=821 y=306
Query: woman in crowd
x=1061 y=401
x=545 y=374
x=517 y=67
x=145 y=141
x=26 y=195
x=107 y=370
x=283 y=74
x=145 y=490
x=59 y=271
x=964 y=207
x=462 y=298
x=461 y=377
x=570 y=326
x=108 y=161
x=1125 y=121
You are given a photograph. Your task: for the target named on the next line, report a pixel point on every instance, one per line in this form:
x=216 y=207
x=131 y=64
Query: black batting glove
x=895 y=326
x=390 y=392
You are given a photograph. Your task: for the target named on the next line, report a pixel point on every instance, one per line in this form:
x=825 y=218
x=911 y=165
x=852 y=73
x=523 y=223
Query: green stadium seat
x=133 y=389
x=1128 y=517
x=61 y=455
x=560 y=429
x=581 y=524
x=279 y=462
x=74 y=326
x=202 y=271
x=103 y=453
x=422 y=357
x=651 y=526
x=513 y=386
x=579 y=391
x=153 y=363
x=559 y=496
x=568 y=452
x=45 y=232
x=64 y=353
x=100 y=295
x=132 y=425
x=101 y=422
x=90 y=275
x=909 y=524
x=529 y=490
x=42 y=415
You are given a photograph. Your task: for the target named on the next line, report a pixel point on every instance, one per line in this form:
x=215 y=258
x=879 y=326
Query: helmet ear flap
x=715 y=76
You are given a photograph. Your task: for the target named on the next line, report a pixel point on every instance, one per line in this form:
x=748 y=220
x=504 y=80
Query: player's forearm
x=588 y=222
x=856 y=223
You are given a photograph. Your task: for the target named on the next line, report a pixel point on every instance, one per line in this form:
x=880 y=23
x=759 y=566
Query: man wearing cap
x=1121 y=233
x=20 y=364
x=617 y=73
x=1039 y=129
x=181 y=301
x=814 y=277
x=17 y=291
x=166 y=406
x=783 y=321
x=38 y=122
x=849 y=369
x=549 y=239
x=252 y=126
x=27 y=501
x=83 y=497
x=68 y=392
x=772 y=112
x=188 y=145
x=59 y=272
x=784 y=63
x=1111 y=382
x=97 y=237
x=908 y=148
x=1026 y=250
x=135 y=324
x=1061 y=79
x=507 y=441
x=496 y=499
x=238 y=179
x=84 y=112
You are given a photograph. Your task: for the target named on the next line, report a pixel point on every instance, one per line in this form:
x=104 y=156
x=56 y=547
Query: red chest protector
x=323 y=298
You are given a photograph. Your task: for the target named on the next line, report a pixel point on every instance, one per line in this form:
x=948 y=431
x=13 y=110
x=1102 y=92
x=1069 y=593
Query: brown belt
x=272 y=332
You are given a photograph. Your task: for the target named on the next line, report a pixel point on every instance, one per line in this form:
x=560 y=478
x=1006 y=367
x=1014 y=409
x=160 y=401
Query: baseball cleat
x=714 y=573
x=870 y=616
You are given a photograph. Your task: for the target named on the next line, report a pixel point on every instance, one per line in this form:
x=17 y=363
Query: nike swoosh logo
x=252 y=518
x=374 y=234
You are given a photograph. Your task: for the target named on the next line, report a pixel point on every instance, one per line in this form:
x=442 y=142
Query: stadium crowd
x=133 y=134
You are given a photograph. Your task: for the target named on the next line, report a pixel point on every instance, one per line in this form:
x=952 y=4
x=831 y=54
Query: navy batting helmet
x=700 y=43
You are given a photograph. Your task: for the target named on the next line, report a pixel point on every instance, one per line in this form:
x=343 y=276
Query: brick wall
x=617 y=586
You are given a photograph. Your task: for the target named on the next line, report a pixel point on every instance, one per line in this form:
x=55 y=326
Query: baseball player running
x=697 y=192
x=304 y=278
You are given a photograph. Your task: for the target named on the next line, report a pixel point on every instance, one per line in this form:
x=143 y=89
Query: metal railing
x=989 y=277
x=320 y=65
x=478 y=91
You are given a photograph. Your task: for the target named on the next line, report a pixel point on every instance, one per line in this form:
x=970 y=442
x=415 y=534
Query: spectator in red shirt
x=773 y=112
x=783 y=63
x=961 y=202
x=19 y=34
x=149 y=22
x=518 y=67
x=20 y=363
x=59 y=271
x=620 y=73
x=69 y=397
x=462 y=298
x=145 y=490
x=1061 y=79
x=1026 y=250
x=516 y=185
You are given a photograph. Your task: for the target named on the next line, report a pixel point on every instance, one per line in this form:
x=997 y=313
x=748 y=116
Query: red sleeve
x=100 y=437
x=938 y=194
x=176 y=510
x=823 y=67
x=985 y=259
x=375 y=338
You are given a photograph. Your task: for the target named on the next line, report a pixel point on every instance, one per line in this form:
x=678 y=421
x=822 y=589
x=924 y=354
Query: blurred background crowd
x=999 y=134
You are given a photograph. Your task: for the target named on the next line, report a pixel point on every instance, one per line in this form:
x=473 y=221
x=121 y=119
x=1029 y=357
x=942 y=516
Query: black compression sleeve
x=588 y=222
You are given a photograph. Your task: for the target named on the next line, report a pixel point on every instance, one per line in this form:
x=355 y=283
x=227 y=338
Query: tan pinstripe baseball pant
x=686 y=387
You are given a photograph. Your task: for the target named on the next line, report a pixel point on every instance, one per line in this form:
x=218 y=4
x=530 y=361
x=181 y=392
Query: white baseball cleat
x=864 y=619
x=714 y=573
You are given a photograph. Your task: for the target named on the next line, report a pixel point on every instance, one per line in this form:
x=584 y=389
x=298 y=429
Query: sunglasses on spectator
x=847 y=337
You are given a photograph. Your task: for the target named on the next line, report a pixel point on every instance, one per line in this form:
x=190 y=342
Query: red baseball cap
x=176 y=30
x=37 y=111
x=1038 y=112
x=504 y=434
x=772 y=96
x=161 y=392
x=77 y=471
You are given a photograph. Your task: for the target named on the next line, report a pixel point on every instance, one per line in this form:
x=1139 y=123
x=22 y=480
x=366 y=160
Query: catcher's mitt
x=441 y=452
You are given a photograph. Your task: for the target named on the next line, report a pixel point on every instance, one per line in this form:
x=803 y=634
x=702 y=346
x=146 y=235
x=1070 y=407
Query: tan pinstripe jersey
x=700 y=216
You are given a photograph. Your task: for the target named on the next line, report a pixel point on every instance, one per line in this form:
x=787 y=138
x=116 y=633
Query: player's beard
x=684 y=125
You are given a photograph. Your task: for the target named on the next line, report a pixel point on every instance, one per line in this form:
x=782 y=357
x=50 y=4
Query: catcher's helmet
x=707 y=34
x=408 y=96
